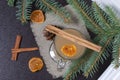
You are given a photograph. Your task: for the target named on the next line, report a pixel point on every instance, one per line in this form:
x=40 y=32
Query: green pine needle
x=92 y=64
x=86 y=13
x=116 y=20
x=101 y=17
x=77 y=66
x=11 y=2
x=47 y=5
x=116 y=50
x=24 y=10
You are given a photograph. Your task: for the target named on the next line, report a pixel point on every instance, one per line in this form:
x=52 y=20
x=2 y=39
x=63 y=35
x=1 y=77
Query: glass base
x=56 y=58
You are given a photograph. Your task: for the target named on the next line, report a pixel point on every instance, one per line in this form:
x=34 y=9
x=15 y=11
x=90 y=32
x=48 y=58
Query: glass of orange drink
x=67 y=49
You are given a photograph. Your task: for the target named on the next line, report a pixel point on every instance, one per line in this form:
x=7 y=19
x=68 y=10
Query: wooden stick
x=17 y=44
x=24 y=49
x=73 y=38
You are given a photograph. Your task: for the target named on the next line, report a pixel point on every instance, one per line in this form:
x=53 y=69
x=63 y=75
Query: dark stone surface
x=18 y=70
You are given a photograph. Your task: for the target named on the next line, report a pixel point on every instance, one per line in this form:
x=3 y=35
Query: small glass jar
x=59 y=42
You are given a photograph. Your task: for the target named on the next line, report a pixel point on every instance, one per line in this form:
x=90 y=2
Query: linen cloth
x=44 y=44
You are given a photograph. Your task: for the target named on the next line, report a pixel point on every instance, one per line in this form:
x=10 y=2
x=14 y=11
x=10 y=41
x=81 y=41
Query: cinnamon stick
x=17 y=50
x=17 y=44
x=24 y=49
x=73 y=38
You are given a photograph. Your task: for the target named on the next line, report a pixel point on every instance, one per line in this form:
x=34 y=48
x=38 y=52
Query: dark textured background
x=18 y=70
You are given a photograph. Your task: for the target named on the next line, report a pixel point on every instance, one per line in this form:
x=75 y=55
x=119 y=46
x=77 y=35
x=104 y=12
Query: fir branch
x=24 y=10
x=112 y=14
x=87 y=15
x=77 y=66
x=47 y=5
x=101 y=17
x=89 y=62
x=116 y=50
x=11 y=2
x=111 y=32
x=92 y=64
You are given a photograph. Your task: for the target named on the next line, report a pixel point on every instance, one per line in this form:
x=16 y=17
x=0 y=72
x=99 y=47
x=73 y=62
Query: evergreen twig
x=24 y=10
x=112 y=14
x=116 y=50
x=96 y=18
x=77 y=66
x=47 y=5
x=86 y=14
x=101 y=17
x=92 y=64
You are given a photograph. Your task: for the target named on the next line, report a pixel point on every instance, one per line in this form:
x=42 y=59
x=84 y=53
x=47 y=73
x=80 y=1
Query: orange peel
x=69 y=50
x=35 y=64
x=37 y=16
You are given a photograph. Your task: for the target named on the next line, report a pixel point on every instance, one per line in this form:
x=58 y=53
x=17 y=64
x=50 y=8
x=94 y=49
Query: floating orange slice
x=69 y=50
x=35 y=64
x=37 y=16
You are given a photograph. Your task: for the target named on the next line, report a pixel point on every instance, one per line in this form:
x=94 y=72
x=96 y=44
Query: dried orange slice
x=35 y=64
x=69 y=50
x=37 y=16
